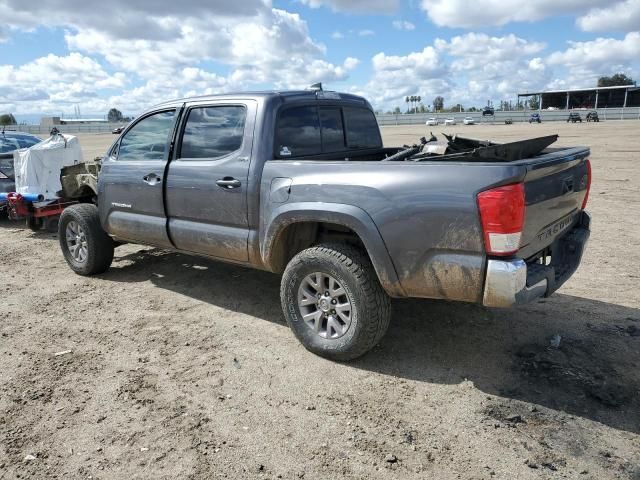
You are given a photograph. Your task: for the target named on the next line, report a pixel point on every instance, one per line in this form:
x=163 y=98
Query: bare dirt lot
x=184 y=368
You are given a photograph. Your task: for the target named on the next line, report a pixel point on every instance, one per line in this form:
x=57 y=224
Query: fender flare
x=349 y=216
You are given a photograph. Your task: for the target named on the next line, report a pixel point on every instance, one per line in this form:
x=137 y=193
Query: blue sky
x=86 y=56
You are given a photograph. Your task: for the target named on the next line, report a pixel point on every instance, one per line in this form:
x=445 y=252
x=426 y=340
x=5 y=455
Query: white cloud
x=403 y=25
x=481 y=13
x=366 y=33
x=363 y=6
x=586 y=61
x=164 y=53
x=622 y=16
x=337 y=35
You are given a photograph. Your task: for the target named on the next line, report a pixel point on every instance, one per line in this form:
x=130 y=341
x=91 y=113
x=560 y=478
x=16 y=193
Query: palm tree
x=419 y=99
x=413 y=100
x=407 y=100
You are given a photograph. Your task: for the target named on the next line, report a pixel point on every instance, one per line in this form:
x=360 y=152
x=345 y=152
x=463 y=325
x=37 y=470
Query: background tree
x=407 y=99
x=8 y=119
x=615 y=80
x=438 y=103
x=534 y=103
x=114 y=115
x=396 y=110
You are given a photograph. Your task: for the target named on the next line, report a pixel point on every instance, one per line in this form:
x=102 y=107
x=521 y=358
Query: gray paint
x=419 y=221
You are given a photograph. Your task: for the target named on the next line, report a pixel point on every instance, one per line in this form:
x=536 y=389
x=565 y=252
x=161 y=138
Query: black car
x=535 y=117
x=487 y=111
x=574 y=117
x=592 y=116
x=9 y=142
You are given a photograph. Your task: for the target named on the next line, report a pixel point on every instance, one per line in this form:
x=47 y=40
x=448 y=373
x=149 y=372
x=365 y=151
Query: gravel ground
x=177 y=367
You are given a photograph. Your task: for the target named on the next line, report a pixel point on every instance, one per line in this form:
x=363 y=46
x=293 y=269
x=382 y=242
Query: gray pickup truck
x=298 y=183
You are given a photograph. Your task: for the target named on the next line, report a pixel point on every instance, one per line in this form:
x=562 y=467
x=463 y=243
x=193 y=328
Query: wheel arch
x=293 y=227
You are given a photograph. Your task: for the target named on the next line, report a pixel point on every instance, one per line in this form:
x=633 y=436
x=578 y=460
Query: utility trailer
x=37 y=212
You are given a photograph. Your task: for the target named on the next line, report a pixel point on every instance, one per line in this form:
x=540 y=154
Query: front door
x=206 y=194
x=131 y=181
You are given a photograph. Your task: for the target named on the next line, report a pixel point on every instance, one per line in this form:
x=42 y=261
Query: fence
x=83 y=128
x=630 y=113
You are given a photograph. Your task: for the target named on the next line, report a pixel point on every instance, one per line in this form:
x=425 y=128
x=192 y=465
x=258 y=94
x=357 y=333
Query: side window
x=148 y=139
x=212 y=132
x=332 y=129
x=362 y=128
x=298 y=132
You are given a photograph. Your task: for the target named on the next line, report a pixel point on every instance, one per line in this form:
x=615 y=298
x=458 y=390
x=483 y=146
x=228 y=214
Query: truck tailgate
x=555 y=188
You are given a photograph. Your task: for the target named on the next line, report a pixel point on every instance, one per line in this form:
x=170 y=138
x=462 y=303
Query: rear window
x=362 y=128
x=332 y=129
x=298 y=132
x=9 y=143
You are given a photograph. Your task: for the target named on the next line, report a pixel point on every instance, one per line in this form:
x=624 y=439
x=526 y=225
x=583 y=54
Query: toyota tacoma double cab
x=298 y=183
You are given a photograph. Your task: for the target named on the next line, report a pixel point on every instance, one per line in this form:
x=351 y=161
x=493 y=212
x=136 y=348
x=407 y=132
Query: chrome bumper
x=511 y=282
x=506 y=284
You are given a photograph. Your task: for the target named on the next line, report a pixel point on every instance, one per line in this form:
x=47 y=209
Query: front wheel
x=85 y=245
x=333 y=301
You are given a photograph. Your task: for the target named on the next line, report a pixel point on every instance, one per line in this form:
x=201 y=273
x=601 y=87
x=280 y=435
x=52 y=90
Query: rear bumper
x=514 y=282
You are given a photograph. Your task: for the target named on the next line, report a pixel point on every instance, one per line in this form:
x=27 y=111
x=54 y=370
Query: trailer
x=37 y=212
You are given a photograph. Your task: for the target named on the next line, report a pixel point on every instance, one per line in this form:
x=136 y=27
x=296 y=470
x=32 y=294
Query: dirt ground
x=184 y=368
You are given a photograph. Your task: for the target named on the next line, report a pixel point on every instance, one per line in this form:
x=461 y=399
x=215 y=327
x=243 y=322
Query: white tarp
x=37 y=169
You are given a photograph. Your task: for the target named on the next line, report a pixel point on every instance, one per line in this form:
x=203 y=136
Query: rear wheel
x=333 y=301
x=86 y=247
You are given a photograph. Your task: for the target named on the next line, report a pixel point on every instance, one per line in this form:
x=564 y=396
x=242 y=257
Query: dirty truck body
x=279 y=181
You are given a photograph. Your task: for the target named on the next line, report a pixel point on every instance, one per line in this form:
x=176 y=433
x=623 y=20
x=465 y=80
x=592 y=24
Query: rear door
x=131 y=180
x=206 y=194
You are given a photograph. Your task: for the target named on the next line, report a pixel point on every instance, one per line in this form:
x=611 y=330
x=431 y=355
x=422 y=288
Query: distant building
x=599 y=97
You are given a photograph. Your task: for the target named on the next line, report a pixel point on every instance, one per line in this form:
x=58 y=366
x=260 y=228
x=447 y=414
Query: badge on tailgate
x=553 y=230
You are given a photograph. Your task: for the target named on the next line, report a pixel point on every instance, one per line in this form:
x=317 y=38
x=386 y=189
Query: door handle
x=228 y=183
x=152 y=179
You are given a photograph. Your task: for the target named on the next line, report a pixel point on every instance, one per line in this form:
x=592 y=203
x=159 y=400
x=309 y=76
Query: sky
x=57 y=56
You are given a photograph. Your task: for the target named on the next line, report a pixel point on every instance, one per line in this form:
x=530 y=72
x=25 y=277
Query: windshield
x=9 y=143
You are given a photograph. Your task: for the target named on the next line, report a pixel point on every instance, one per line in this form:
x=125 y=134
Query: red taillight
x=502 y=216
x=586 y=194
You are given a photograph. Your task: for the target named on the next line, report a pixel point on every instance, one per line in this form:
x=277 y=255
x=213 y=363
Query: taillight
x=502 y=216
x=586 y=194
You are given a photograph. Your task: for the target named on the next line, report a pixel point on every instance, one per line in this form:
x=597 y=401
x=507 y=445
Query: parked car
x=535 y=117
x=347 y=222
x=432 y=121
x=574 y=117
x=118 y=130
x=10 y=142
x=450 y=121
x=508 y=121
x=487 y=111
x=468 y=121
x=593 y=116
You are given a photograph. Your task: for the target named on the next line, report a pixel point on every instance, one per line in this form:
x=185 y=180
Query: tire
x=51 y=224
x=34 y=224
x=369 y=311
x=82 y=221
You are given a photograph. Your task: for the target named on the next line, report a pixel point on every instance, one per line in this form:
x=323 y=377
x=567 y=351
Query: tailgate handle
x=567 y=186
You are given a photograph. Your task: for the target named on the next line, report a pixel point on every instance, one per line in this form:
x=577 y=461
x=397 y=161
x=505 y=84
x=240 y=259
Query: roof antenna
x=316 y=86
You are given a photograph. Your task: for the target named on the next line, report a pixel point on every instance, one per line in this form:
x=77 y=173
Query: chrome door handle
x=228 y=183
x=152 y=179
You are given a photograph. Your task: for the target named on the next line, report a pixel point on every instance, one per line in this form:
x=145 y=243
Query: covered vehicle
x=9 y=143
x=37 y=169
